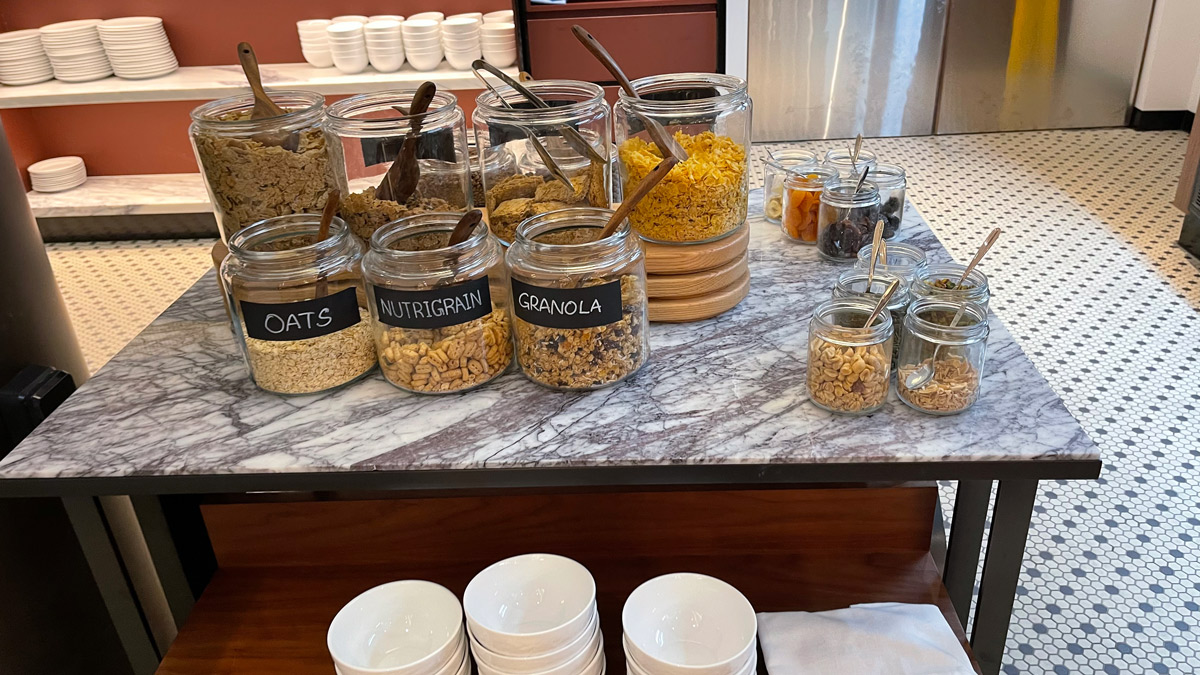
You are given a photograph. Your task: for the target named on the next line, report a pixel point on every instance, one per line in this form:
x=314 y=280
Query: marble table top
x=727 y=391
x=164 y=193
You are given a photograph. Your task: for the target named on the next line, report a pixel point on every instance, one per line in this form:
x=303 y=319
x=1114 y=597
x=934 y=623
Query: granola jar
x=439 y=313
x=528 y=188
x=802 y=201
x=903 y=260
x=366 y=134
x=705 y=197
x=849 y=365
x=579 y=305
x=839 y=158
x=955 y=354
x=259 y=169
x=297 y=304
x=939 y=281
x=853 y=284
x=847 y=220
x=892 y=183
x=778 y=163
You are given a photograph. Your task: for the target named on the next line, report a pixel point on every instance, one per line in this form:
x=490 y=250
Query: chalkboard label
x=583 y=307
x=287 y=321
x=435 y=308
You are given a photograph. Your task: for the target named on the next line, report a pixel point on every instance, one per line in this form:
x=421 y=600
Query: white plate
x=55 y=165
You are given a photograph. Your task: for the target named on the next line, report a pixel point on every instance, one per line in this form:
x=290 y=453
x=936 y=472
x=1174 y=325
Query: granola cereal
x=954 y=387
x=450 y=359
x=365 y=214
x=313 y=364
x=848 y=379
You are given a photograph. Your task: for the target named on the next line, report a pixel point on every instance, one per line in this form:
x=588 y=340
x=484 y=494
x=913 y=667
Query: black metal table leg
x=966 y=541
x=1001 y=568
x=167 y=558
x=92 y=530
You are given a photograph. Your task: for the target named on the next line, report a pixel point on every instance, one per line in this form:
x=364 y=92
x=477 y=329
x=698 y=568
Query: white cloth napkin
x=886 y=638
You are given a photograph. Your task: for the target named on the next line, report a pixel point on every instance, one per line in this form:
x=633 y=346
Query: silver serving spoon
x=874 y=255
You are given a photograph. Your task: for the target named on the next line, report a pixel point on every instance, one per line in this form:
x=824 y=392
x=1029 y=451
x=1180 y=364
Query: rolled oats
x=313 y=364
x=848 y=379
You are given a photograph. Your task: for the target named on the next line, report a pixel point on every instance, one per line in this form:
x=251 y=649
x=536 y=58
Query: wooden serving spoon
x=465 y=226
x=643 y=188
x=332 y=200
x=264 y=107
x=402 y=177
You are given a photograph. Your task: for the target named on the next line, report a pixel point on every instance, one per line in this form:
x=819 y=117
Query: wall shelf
x=167 y=193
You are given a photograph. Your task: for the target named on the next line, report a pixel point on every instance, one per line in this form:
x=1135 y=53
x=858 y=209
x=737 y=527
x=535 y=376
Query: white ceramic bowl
x=478 y=16
x=689 y=624
x=344 y=29
x=461 y=25
x=576 y=665
x=430 y=16
x=500 y=16
x=424 y=60
x=386 y=63
x=462 y=60
x=318 y=58
x=404 y=627
x=500 y=59
x=524 y=665
x=386 y=17
x=498 y=28
x=423 y=42
x=420 y=27
x=635 y=668
x=387 y=27
x=359 y=18
x=461 y=43
x=530 y=604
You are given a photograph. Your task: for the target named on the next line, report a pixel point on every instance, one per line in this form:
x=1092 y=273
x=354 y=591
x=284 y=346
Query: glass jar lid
x=841 y=320
x=930 y=319
x=845 y=194
x=810 y=176
x=902 y=259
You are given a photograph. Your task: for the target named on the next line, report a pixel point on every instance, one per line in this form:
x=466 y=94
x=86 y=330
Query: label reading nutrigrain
x=583 y=307
x=436 y=308
x=287 y=321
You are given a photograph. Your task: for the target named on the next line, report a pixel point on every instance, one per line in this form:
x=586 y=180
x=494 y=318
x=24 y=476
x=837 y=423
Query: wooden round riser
x=682 y=310
x=669 y=286
x=691 y=258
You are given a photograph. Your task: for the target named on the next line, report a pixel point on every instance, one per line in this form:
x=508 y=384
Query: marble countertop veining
x=730 y=390
x=165 y=193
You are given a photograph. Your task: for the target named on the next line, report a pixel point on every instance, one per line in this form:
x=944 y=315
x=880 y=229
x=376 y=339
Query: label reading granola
x=284 y=322
x=582 y=307
x=437 y=308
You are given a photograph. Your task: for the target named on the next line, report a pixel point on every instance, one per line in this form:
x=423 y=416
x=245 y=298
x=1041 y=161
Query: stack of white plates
x=534 y=614
x=386 y=17
x=58 y=174
x=689 y=623
x=351 y=17
x=385 y=45
x=460 y=39
x=429 y=16
x=314 y=42
x=502 y=16
x=137 y=47
x=499 y=44
x=423 y=42
x=347 y=46
x=22 y=58
x=75 y=50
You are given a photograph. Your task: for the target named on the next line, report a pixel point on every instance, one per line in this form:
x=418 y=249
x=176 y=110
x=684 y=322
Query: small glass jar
x=497 y=164
x=939 y=281
x=439 y=313
x=259 y=169
x=847 y=221
x=705 y=197
x=802 y=201
x=950 y=356
x=853 y=284
x=579 y=305
x=778 y=163
x=366 y=134
x=839 y=158
x=903 y=260
x=529 y=188
x=849 y=365
x=892 y=184
x=297 y=304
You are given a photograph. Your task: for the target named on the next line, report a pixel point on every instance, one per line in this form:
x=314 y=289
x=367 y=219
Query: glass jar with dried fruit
x=439 y=313
x=802 y=201
x=892 y=183
x=778 y=164
x=847 y=220
x=941 y=359
x=849 y=363
x=941 y=282
x=297 y=304
x=579 y=303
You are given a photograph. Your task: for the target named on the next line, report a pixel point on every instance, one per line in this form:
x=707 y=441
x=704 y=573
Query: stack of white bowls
x=689 y=624
x=499 y=44
x=460 y=38
x=58 y=174
x=360 y=18
x=137 y=47
x=22 y=58
x=501 y=16
x=429 y=16
x=534 y=615
x=75 y=50
x=401 y=628
x=314 y=42
x=385 y=17
x=385 y=45
x=347 y=46
x=422 y=42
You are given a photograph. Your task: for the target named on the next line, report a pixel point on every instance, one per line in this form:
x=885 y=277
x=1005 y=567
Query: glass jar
x=952 y=354
x=847 y=221
x=579 y=305
x=259 y=169
x=849 y=365
x=802 y=201
x=439 y=313
x=297 y=304
x=528 y=188
x=497 y=164
x=778 y=163
x=366 y=134
x=903 y=260
x=839 y=158
x=705 y=197
x=892 y=184
x=853 y=284
x=937 y=281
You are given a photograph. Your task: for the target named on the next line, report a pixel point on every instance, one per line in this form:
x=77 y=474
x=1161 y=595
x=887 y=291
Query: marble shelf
x=166 y=193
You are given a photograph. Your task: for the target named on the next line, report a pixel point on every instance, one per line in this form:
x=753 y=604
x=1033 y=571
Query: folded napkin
x=886 y=638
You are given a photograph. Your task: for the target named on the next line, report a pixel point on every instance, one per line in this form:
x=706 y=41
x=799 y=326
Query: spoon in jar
x=854 y=152
x=874 y=255
x=264 y=107
x=643 y=188
x=883 y=301
x=465 y=226
x=332 y=201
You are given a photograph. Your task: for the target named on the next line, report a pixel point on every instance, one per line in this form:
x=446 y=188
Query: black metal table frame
x=164 y=534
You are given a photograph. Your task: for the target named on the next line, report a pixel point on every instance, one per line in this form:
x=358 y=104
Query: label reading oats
x=436 y=308
x=282 y=322
x=583 y=307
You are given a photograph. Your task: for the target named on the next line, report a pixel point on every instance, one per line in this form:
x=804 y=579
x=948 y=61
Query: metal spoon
x=874 y=255
x=883 y=301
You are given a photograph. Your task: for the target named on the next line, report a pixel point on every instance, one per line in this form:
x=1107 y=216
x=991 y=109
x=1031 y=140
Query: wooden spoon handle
x=332 y=201
x=983 y=249
x=250 y=67
x=465 y=226
x=393 y=185
x=610 y=64
x=643 y=188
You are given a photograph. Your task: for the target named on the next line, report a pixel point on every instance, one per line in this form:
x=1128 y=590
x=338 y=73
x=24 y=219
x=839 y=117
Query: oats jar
x=953 y=354
x=802 y=190
x=259 y=169
x=297 y=304
x=939 y=281
x=439 y=313
x=847 y=220
x=849 y=365
x=903 y=260
x=579 y=304
x=839 y=158
x=778 y=164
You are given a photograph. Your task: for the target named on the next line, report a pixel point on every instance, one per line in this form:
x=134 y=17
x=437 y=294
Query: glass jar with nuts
x=941 y=282
x=439 y=313
x=849 y=364
x=903 y=260
x=297 y=304
x=579 y=303
x=941 y=362
x=853 y=284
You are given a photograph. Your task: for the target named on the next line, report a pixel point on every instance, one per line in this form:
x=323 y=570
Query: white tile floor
x=1090 y=281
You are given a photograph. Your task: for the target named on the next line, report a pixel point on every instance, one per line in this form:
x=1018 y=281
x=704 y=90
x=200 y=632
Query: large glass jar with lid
x=368 y=136
x=849 y=363
x=776 y=165
x=892 y=183
x=839 y=158
x=256 y=169
x=439 y=313
x=903 y=260
x=847 y=222
x=579 y=302
x=562 y=152
x=297 y=304
x=942 y=354
x=941 y=281
x=705 y=197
